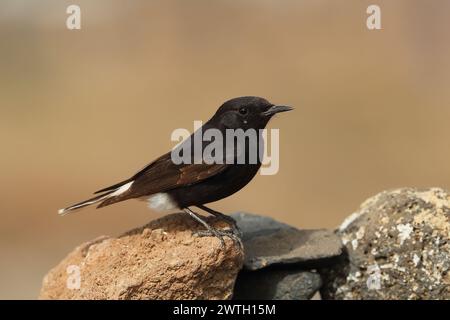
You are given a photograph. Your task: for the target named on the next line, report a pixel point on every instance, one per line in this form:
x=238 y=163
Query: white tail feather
x=109 y=194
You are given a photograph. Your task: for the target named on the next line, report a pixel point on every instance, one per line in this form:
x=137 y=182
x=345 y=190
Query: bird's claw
x=220 y=234
x=233 y=225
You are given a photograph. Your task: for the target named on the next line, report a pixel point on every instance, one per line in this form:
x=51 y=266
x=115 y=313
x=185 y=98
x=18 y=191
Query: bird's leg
x=235 y=233
x=210 y=230
x=224 y=217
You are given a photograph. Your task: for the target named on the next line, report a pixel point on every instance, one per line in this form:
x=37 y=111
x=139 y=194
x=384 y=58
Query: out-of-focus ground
x=80 y=110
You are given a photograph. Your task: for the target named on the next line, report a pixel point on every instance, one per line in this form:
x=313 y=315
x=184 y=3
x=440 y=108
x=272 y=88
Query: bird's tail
x=114 y=193
x=84 y=203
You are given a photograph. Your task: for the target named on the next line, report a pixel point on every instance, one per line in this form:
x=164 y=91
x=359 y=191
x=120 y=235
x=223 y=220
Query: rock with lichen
x=397 y=247
x=161 y=260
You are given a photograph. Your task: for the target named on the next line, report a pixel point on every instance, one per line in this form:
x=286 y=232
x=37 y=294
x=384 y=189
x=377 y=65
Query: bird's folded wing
x=162 y=175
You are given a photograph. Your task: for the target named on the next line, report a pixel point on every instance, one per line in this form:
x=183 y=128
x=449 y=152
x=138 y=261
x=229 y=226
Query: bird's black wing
x=162 y=175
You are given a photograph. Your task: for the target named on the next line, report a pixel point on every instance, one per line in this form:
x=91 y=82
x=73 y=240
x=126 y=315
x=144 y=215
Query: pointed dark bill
x=276 y=109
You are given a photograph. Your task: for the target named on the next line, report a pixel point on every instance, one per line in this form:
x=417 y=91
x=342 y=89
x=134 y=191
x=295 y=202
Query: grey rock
x=272 y=284
x=397 y=247
x=268 y=242
x=253 y=225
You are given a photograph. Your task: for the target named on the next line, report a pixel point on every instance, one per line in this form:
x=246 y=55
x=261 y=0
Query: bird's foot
x=233 y=225
x=220 y=234
x=229 y=220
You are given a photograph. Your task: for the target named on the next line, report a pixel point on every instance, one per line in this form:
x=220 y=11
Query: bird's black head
x=246 y=113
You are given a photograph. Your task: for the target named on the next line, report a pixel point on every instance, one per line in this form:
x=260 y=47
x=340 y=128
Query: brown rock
x=162 y=260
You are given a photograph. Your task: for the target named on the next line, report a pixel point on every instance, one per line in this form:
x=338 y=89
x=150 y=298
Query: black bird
x=167 y=185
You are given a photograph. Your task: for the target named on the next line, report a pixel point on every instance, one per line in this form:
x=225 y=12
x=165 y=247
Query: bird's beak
x=276 y=109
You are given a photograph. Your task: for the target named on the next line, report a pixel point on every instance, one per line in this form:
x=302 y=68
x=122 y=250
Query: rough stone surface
x=161 y=260
x=398 y=247
x=268 y=242
x=274 y=284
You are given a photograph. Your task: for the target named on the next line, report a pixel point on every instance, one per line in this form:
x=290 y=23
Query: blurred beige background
x=81 y=110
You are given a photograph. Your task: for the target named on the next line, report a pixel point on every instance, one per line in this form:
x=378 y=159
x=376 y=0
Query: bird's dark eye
x=243 y=111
